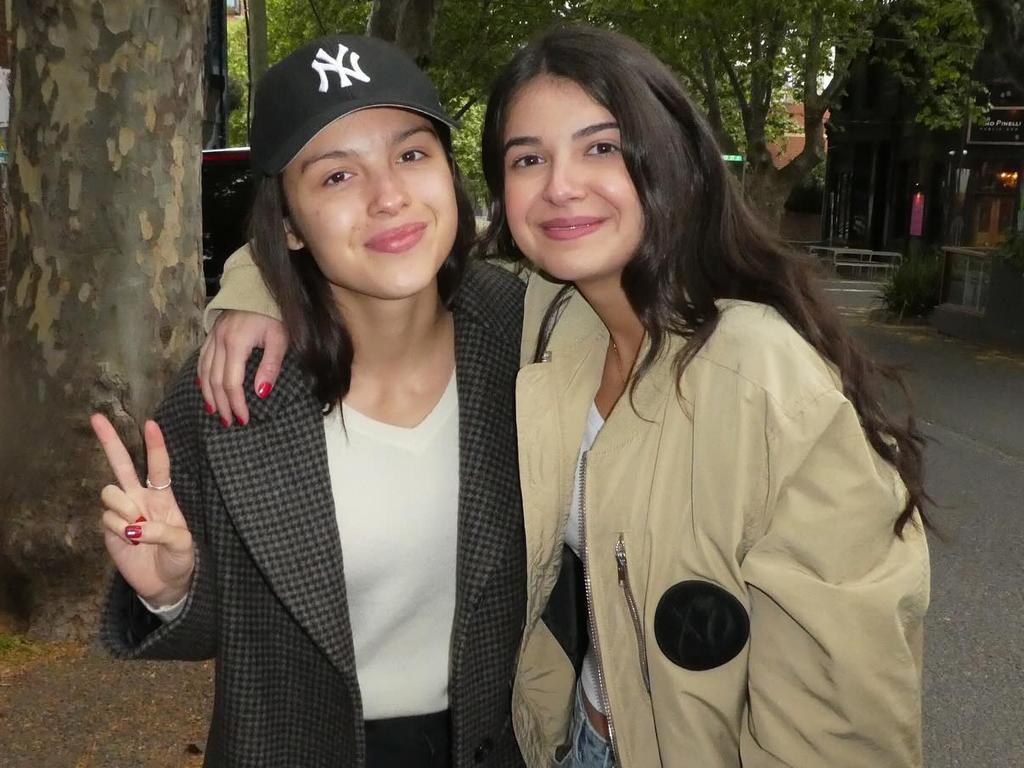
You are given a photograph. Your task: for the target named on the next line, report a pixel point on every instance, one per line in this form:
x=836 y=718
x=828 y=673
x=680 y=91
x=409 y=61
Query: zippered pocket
x=622 y=563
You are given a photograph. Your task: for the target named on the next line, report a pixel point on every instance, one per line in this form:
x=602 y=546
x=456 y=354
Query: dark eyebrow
x=341 y=154
x=590 y=130
x=334 y=154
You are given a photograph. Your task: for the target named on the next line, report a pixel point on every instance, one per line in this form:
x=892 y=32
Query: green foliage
x=238 y=72
x=466 y=143
x=913 y=288
x=291 y=23
x=931 y=46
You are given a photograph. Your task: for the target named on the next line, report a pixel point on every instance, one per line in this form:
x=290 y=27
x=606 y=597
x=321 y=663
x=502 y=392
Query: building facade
x=892 y=184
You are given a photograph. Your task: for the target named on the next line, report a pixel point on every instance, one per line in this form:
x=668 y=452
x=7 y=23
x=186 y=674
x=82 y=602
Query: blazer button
x=483 y=750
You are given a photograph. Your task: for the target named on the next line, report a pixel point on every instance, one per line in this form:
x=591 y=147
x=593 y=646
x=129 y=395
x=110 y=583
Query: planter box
x=1000 y=319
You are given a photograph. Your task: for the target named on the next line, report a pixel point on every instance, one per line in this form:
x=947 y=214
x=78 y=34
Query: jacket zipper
x=590 y=613
x=634 y=612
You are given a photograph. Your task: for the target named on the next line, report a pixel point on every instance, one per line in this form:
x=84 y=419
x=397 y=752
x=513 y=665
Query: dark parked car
x=227 y=194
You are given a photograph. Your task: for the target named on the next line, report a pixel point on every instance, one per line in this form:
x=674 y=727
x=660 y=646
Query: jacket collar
x=575 y=352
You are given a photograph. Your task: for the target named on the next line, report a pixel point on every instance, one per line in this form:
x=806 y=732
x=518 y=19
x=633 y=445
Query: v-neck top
x=396 y=493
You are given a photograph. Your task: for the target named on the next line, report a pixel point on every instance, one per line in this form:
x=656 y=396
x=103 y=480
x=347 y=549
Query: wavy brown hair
x=317 y=332
x=701 y=242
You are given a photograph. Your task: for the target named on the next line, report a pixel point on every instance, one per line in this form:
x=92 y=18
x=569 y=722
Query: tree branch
x=734 y=80
x=465 y=107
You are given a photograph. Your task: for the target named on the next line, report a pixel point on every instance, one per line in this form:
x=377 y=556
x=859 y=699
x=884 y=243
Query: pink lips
x=397 y=240
x=572 y=227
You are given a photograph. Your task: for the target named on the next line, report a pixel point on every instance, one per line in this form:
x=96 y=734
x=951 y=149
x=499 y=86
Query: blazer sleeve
x=837 y=601
x=128 y=629
x=241 y=287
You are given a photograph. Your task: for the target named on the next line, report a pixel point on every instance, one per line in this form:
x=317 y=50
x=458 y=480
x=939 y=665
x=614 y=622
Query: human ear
x=291 y=236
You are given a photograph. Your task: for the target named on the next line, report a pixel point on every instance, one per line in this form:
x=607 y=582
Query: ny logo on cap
x=324 y=63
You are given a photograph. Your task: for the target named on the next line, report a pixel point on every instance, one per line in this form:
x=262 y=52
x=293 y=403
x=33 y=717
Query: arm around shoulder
x=241 y=288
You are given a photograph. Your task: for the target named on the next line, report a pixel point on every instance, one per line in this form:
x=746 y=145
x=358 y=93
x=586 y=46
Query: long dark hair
x=700 y=241
x=317 y=332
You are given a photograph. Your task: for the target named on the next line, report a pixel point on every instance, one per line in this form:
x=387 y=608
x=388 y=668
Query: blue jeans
x=586 y=748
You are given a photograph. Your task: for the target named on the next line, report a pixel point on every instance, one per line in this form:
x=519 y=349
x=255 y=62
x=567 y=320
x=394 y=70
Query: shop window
x=994 y=203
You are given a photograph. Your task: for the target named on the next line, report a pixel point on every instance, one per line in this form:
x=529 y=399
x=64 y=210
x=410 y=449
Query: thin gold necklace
x=618 y=361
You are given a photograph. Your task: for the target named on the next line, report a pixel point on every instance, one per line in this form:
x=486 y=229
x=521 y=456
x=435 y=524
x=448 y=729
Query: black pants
x=420 y=741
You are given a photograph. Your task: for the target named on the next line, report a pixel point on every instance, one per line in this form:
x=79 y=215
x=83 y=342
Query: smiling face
x=569 y=200
x=373 y=199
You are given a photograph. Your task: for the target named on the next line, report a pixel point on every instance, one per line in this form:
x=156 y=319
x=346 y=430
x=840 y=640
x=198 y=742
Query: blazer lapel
x=273 y=477
x=488 y=474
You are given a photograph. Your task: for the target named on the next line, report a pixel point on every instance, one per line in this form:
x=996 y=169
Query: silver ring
x=163 y=487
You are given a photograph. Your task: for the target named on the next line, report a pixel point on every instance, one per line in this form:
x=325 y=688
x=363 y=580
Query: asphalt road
x=970 y=402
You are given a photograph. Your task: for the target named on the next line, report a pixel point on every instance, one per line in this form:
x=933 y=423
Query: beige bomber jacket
x=754 y=498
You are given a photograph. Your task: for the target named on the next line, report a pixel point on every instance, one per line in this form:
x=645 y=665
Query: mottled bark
x=104 y=285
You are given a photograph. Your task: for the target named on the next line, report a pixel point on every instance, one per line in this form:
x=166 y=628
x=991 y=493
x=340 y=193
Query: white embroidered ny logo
x=324 y=63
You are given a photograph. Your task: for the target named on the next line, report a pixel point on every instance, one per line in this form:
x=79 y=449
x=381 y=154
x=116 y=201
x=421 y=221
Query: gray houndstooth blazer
x=268 y=598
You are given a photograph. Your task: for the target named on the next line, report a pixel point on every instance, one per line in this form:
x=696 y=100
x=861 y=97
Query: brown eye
x=526 y=161
x=336 y=178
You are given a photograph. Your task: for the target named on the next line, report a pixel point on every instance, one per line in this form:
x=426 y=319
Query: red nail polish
x=209 y=408
x=242 y=421
x=264 y=389
x=224 y=421
x=140 y=519
x=199 y=382
x=132 y=532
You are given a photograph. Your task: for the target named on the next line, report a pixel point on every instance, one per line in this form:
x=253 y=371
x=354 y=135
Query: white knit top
x=396 y=495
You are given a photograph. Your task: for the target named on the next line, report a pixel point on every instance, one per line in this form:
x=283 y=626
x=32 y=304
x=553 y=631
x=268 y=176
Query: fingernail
x=140 y=519
x=242 y=421
x=199 y=382
x=209 y=408
x=224 y=421
x=132 y=532
x=264 y=389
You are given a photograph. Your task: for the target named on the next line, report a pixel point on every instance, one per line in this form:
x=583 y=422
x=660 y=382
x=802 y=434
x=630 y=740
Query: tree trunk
x=104 y=283
x=768 y=187
x=767 y=190
x=257 y=10
x=410 y=24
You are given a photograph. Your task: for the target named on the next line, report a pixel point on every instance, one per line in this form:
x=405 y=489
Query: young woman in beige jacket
x=725 y=555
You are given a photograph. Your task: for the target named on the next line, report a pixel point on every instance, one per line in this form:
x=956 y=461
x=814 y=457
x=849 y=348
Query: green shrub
x=913 y=288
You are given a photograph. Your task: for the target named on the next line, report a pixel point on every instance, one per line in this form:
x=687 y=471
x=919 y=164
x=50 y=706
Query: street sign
x=1002 y=125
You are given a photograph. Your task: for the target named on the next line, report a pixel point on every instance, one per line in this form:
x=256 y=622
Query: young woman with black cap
x=352 y=557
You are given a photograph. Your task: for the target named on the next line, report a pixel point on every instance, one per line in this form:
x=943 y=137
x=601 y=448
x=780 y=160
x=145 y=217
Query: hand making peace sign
x=143 y=528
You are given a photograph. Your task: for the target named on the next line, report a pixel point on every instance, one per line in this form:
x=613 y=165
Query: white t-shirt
x=589 y=673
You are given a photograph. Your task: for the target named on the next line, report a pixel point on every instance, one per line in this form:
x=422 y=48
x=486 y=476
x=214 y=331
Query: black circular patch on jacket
x=700 y=625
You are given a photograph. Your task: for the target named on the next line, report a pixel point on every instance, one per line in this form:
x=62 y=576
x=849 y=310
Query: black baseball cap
x=327 y=79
